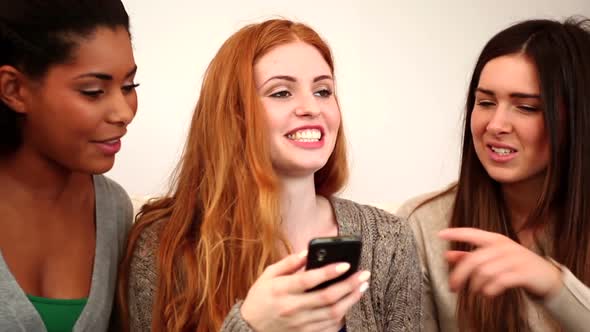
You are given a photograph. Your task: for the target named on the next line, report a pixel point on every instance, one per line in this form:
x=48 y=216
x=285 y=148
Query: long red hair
x=222 y=218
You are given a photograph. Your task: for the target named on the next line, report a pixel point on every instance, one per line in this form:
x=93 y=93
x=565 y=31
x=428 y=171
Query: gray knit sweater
x=114 y=215
x=392 y=302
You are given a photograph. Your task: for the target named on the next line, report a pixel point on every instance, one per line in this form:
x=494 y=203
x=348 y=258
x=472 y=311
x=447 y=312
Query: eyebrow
x=107 y=77
x=512 y=95
x=293 y=79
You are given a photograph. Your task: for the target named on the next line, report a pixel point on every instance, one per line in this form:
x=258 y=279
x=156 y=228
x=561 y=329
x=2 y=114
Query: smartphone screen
x=327 y=250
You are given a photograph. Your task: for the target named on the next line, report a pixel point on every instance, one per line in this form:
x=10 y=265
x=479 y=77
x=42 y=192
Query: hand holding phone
x=280 y=299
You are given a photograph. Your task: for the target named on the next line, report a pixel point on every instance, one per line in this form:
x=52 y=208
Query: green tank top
x=57 y=314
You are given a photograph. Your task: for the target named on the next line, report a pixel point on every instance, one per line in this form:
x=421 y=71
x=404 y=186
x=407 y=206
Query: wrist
x=555 y=286
x=246 y=316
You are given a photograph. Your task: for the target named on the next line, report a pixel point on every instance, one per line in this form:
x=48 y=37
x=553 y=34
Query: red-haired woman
x=265 y=156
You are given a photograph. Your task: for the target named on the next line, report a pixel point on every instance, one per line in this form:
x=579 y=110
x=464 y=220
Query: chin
x=98 y=167
x=313 y=167
x=298 y=170
x=303 y=171
x=504 y=176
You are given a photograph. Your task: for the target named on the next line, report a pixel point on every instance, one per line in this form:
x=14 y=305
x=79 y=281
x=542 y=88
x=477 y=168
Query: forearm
x=571 y=305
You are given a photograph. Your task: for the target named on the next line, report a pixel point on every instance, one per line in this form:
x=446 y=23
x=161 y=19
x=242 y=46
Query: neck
x=304 y=214
x=28 y=174
x=521 y=198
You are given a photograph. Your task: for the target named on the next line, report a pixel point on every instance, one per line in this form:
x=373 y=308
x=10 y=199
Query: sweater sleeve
x=403 y=308
x=429 y=315
x=571 y=305
x=142 y=282
x=234 y=322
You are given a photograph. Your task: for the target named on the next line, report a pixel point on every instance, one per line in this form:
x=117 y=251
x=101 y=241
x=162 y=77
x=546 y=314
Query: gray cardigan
x=114 y=214
x=392 y=302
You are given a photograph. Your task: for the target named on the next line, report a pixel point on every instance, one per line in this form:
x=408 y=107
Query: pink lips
x=308 y=145
x=110 y=148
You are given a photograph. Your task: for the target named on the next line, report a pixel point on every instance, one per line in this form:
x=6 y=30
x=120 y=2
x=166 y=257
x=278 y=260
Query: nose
x=308 y=106
x=499 y=122
x=123 y=109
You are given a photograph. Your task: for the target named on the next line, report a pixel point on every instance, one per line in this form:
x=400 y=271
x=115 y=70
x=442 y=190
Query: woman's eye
x=528 y=108
x=485 y=103
x=281 y=94
x=130 y=87
x=323 y=93
x=92 y=93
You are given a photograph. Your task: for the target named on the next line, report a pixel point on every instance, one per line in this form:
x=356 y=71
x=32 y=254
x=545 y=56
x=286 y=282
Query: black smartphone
x=339 y=249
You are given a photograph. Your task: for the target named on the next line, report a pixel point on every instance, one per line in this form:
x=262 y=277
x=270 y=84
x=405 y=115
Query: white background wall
x=402 y=71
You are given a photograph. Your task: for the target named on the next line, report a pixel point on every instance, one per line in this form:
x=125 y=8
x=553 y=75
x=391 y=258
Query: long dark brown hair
x=561 y=54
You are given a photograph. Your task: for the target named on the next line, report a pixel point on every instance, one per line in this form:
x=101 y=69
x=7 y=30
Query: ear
x=13 y=88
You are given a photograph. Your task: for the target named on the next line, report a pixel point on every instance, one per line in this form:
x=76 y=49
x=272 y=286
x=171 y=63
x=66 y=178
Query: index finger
x=469 y=235
x=309 y=279
x=285 y=266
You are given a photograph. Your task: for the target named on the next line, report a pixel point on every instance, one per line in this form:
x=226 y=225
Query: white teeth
x=306 y=135
x=501 y=151
x=113 y=141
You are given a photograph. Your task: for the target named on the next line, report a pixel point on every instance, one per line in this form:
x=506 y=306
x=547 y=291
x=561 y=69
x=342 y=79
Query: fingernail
x=364 y=276
x=342 y=267
x=303 y=254
x=364 y=287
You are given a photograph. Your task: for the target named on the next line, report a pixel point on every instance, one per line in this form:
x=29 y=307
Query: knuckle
x=328 y=273
x=489 y=291
x=497 y=286
x=269 y=269
x=307 y=328
x=327 y=296
x=502 y=281
x=286 y=310
x=335 y=313
x=293 y=259
x=509 y=247
x=353 y=283
x=485 y=272
x=304 y=281
x=276 y=290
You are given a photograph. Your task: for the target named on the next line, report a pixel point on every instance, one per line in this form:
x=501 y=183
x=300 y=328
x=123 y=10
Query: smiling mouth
x=112 y=141
x=109 y=141
x=501 y=151
x=306 y=135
